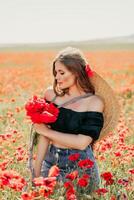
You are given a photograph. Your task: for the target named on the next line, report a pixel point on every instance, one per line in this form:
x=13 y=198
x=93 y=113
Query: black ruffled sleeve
x=91 y=124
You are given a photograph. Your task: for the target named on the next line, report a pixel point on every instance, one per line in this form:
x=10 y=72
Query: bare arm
x=69 y=140
x=40 y=154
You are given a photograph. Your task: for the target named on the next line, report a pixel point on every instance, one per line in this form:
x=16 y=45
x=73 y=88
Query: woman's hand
x=41 y=128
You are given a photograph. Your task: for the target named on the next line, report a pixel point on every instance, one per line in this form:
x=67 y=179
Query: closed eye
x=60 y=73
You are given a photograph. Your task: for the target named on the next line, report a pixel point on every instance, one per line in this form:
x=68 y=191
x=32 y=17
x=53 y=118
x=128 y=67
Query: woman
x=80 y=122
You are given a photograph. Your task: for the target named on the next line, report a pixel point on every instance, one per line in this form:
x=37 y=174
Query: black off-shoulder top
x=87 y=123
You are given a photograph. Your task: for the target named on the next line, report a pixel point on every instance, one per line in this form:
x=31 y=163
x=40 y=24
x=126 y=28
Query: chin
x=63 y=88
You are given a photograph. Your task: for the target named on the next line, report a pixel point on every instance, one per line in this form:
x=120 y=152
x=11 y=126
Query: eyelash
x=60 y=73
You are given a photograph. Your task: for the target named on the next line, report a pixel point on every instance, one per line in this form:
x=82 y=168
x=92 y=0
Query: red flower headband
x=88 y=70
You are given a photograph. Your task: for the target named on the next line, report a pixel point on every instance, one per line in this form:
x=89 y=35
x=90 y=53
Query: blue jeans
x=59 y=157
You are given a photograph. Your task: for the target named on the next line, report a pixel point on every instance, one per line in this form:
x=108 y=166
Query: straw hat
x=111 y=105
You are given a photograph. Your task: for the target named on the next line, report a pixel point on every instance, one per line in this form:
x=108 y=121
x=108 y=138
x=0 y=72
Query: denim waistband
x=64 y=151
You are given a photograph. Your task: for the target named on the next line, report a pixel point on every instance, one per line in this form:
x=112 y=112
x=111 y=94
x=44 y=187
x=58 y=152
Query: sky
x=40 y=21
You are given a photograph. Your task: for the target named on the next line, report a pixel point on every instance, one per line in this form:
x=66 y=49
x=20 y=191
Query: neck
x=74 y=91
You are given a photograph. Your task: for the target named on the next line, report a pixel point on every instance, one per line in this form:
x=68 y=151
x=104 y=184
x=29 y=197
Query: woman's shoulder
x=95 y=103
x=49 y=93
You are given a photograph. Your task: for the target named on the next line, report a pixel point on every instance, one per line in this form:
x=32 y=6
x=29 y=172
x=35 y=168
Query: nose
x=57 y=77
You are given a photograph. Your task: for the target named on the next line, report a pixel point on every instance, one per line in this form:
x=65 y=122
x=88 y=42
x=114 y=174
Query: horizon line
x=66 y=41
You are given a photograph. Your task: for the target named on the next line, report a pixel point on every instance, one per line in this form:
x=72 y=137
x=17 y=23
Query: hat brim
x=112 y=109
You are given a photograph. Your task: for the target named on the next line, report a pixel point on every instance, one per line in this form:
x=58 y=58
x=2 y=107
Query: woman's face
x=64 y=77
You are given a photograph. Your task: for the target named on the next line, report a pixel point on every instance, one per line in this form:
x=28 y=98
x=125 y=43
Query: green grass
x=85 y=46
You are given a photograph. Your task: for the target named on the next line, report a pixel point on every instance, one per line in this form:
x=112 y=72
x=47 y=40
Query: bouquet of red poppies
x=40 y=111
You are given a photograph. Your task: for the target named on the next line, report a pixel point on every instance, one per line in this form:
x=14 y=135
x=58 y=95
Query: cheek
x=70 y=80
x=69 y=77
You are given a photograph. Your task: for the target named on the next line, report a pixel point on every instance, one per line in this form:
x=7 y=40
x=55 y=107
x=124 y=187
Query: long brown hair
x=74 y=61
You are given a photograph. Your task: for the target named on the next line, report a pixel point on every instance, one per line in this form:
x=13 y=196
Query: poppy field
x=24 y=74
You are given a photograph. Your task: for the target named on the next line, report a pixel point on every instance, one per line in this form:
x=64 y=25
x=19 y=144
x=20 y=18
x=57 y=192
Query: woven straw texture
x=111 y=104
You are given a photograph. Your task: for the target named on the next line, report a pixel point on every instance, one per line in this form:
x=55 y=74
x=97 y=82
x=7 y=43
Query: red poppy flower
x=40 y=111
x=73 y=175
x=53 y=171
x=106 y=176
x=87 y=163
x=48 y=181
x=117 y=154
x=68 y=184
x=45 y=191
x=101 y=191
x=74 y=157
x=70 y=196
x=109 y=182
x=26 y=196
x=131 y=171
x=82 y=182
x=86 y=176
x=124 y=182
